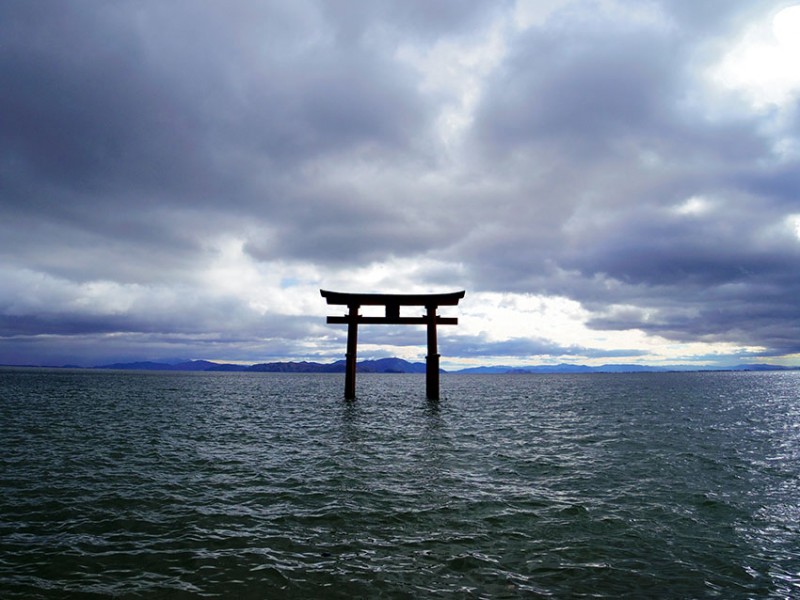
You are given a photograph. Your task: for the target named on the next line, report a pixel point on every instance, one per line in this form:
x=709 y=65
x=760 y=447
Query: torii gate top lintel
x=392 y=302
x=349 y=299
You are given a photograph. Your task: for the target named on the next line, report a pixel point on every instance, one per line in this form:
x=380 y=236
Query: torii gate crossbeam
x=392 y=302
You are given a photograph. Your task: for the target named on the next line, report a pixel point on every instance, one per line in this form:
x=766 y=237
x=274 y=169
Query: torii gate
x=392 y=302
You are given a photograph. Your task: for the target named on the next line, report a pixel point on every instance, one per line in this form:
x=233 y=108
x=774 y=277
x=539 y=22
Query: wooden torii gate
x=392 y=302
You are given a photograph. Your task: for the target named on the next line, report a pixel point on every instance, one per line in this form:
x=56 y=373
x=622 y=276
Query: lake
x=260 y=485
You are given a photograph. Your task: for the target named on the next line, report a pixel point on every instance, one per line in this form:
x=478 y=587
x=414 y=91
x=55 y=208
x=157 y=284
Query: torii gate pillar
x=392 y=303
x=432 y=360
x=350 y=357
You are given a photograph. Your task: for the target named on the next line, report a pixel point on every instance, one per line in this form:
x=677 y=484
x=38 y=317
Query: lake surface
x=250 y=485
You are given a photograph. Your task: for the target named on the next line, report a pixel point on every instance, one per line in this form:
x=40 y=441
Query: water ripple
x=217 y=485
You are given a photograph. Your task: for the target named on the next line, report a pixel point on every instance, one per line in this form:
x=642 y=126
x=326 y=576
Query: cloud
x=182 y=181
x=592 y=117
x=526 y=349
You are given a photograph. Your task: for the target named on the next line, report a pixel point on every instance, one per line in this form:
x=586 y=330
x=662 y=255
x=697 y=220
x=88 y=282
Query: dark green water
x=148 y=485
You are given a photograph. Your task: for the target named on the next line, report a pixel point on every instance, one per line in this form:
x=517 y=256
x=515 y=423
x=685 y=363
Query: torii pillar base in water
x=392 y=303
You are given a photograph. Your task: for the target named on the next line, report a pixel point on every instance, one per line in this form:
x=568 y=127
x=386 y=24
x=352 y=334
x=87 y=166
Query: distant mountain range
x=398 y=365
x=382 y=365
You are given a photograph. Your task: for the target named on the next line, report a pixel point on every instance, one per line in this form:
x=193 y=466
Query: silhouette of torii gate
x=392 y=302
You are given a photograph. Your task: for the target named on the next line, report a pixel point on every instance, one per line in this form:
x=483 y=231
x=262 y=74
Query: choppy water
x=146 y=485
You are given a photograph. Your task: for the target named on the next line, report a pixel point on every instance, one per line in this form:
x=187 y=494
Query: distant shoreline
x=400 y=366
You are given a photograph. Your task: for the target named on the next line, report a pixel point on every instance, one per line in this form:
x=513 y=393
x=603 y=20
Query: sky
x=610 y=181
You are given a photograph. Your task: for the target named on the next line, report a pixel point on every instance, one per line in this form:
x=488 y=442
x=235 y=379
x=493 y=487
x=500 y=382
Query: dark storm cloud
x=137 y=140
x=415 y=19
x=114 y=95
x=579 y=88
x=114 y=109
x=132 y=136
x=239 y=327
x=583 y=104
x=88 y=111
x=188 y=332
